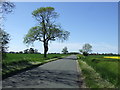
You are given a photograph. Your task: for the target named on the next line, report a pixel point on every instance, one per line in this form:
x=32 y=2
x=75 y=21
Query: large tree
x=47 y=30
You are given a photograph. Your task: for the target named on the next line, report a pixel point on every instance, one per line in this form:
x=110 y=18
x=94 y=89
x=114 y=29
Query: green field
x=29 y=57
x=15 y=62
x=106 y=67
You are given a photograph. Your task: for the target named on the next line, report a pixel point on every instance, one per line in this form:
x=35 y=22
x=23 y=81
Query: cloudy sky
x=95 y=23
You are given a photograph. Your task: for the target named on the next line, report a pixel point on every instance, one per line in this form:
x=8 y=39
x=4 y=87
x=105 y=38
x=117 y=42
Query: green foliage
x=4 y=40
x=65 y=51
x=92 y=78
x=45 y=12
x=107 y=68
x=35 y=33
x=85 y=53
x=31 y=50
x=6 y=7
x=26 y=51
x=85 y=49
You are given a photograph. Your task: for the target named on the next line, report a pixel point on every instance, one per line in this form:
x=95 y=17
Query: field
x=29 y=57
x=105 y=66
x=17 y=62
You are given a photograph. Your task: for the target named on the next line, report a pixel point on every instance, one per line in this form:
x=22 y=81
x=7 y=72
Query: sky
x=95 y=23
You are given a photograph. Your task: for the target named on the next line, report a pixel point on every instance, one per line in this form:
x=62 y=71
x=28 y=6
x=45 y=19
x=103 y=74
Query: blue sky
x=95 y=23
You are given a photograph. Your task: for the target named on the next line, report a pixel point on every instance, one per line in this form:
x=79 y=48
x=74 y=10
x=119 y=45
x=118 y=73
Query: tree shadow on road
x=33 y=77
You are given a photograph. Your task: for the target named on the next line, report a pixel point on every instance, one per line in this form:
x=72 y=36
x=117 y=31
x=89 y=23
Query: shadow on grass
x=25 y=64
x=17 y=71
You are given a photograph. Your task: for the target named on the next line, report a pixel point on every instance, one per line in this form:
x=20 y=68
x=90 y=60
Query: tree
x=65 y=51
x=4 y=38
x=5 y=8
x=26 y=51
x=35 y=51
x=31 y=50
x=46 y=30
x=20 y=52
x=86 y=49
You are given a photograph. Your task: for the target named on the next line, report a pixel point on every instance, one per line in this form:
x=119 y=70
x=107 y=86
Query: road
x=61 y=73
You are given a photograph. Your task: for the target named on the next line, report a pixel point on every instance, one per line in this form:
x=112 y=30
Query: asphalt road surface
x=62 y=73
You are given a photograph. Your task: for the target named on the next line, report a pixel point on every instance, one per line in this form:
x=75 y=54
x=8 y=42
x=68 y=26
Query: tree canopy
x=5 y=8
x=4 y=40
x=65 y=50
x=86 y=49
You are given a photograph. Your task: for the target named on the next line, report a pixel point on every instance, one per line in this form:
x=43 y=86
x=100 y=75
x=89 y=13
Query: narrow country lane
x=62 y=73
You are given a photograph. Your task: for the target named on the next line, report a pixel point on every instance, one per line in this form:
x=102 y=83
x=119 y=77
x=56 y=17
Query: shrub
x=85 y=53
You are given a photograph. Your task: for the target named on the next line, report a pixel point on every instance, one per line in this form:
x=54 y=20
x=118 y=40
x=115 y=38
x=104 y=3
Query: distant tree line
x=107 y=54
x=27 y=51
x=67 y=53
x=31 y=50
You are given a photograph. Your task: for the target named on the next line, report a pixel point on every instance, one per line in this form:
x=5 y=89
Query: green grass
x=92 y=78
x=107 y=68
x=15 y=62
x=29 y=57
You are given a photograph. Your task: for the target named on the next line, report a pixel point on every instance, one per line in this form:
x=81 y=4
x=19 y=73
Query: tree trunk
x=44 y=37
x=45 y=49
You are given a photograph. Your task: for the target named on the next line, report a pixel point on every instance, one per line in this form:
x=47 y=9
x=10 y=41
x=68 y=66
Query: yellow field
x=113 y=57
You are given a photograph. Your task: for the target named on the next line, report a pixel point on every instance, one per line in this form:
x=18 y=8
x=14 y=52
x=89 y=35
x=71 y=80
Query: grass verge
x=92 y=78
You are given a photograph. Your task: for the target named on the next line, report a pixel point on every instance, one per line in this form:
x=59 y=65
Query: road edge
x=80 y=76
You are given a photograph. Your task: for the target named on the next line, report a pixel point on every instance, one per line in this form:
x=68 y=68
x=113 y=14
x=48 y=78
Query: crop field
x=14 y=62
x=29 y=57
x=106 y=66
